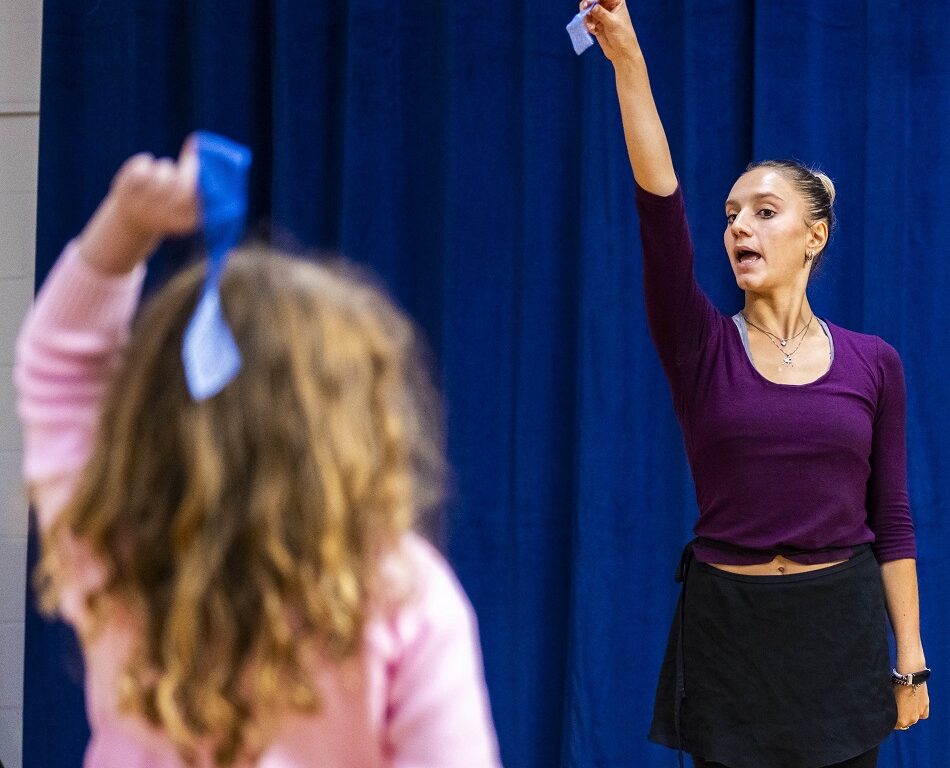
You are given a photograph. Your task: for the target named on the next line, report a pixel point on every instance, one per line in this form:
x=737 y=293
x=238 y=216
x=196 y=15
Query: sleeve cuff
x=651 y=198
x=887 y=554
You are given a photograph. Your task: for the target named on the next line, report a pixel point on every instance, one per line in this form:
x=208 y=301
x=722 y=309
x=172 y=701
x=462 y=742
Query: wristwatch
x=911 y=678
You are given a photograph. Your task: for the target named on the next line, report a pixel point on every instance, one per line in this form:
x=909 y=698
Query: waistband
x=778 y=549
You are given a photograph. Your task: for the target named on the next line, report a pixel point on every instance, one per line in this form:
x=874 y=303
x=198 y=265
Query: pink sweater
x=416 y=696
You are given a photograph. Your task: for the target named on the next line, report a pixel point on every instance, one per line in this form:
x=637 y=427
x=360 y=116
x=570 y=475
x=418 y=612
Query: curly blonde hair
x=244 y=532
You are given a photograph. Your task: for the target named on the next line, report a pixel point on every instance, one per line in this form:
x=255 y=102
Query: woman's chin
x=747 y=282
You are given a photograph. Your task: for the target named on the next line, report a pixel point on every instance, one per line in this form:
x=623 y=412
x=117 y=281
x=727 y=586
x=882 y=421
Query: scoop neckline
x=755 y=371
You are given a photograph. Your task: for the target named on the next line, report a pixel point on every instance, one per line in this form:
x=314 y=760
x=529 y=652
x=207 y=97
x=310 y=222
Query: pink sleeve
x=438 y=714
x=67 y=350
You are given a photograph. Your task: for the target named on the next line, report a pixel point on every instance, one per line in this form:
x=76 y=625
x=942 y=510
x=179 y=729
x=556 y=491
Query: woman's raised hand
x=610 y=23
x=150 y=199
x=643 y=132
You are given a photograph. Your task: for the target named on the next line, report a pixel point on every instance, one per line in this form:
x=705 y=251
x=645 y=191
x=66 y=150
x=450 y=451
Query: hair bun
x=828 y=184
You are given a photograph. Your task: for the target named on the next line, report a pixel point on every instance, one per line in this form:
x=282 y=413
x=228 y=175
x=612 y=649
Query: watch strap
x=911 y=678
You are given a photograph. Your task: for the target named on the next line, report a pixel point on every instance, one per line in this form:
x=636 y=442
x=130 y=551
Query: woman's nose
x=739 y=226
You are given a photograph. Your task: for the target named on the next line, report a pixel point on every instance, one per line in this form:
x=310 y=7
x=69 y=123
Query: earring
x=808 y=257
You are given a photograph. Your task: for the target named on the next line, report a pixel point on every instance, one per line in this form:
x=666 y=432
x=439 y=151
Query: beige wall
x=19 y=124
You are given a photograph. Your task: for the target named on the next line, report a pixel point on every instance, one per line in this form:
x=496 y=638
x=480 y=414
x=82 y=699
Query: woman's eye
x=766 y=213
x=730 y=217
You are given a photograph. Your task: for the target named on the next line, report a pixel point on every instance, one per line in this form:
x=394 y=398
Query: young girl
x=794 y=430
x=242 y=570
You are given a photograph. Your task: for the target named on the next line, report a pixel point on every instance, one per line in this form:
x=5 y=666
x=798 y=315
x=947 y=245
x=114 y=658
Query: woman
x=794 y=430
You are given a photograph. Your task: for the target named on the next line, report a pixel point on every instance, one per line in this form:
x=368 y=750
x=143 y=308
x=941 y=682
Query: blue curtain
x=463 y=152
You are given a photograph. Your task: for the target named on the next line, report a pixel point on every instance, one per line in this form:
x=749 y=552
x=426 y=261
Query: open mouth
x=747 y=256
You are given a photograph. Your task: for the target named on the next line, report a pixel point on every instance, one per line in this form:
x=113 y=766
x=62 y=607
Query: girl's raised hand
x=159 y=197
x=610 y=23
x=150 y=199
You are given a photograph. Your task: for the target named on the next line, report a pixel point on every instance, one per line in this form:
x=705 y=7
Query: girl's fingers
x=135 y=172
x=160 y=195
x=188 y=161
x=164 y=185
x=188 y=147
x=188 y=172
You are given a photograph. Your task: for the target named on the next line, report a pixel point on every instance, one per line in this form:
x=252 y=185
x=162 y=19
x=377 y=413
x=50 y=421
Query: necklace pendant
x=787 y=360
x=784 y=342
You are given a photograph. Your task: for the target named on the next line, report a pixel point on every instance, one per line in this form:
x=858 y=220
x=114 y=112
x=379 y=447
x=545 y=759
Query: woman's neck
x=783 y=316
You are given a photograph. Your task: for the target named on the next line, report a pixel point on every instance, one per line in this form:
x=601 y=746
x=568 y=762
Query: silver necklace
x=779 y=339
x=779 y=342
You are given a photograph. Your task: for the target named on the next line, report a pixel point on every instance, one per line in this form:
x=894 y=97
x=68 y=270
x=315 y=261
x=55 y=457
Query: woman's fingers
x=925 y=702
x=593 y=18
x=913 y=705
x=602 y=18
x=588 y=21
x=903 y=723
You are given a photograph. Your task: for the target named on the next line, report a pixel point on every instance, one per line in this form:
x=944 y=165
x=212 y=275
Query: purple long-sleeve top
x=810 y=470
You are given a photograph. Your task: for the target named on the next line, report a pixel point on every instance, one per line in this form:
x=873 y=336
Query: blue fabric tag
x=210 y=355
x=580 y=37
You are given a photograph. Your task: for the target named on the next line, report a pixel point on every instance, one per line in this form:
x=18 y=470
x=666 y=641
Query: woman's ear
x=817 y=236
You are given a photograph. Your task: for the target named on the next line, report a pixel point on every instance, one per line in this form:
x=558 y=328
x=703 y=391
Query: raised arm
x=71 y=339
x=679 y=314
x=647 y=147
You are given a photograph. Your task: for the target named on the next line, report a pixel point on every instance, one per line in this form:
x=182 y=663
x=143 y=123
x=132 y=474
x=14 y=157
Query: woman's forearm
x=647 y=146
x=646 y=141
x=900 y=591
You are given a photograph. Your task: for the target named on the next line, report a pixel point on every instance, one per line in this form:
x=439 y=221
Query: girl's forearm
x=109 y=244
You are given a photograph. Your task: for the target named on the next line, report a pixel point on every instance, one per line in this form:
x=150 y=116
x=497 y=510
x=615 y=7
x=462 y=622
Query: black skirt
x=777 y=671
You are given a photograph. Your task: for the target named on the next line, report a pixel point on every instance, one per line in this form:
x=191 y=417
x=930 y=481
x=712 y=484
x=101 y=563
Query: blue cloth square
x=580 y=37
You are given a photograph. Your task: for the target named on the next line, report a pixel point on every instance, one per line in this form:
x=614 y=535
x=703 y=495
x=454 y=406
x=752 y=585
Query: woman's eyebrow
x=757 y=196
